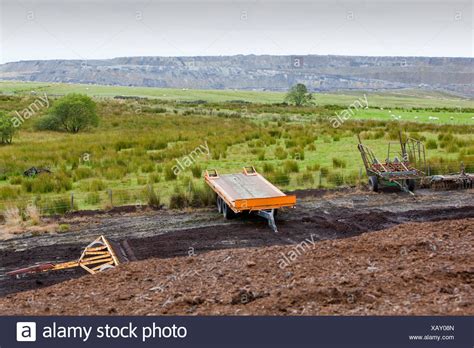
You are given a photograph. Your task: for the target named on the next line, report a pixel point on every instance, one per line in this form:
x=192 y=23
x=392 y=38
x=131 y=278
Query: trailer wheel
x=219 y=202
x=226 y=211
x=411 y=185
x=373 y=183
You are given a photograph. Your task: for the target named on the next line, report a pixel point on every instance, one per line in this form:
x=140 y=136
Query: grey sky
x=34 y=29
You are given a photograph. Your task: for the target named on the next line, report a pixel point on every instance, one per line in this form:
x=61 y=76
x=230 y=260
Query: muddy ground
x=410 y=269
x=320 y=215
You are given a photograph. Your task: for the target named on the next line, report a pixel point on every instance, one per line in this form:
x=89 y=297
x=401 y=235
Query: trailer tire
x=226 y=211
x=411 y=184
x=219 y=202
x=373 y=184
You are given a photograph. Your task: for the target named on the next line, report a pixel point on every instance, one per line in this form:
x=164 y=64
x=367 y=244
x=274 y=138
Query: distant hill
x=252 y=72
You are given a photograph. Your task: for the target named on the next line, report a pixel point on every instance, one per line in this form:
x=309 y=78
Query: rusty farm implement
x=453 y=181
x=401 y=167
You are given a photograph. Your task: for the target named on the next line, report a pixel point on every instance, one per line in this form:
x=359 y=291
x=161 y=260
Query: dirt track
x=414 y=269
x=320 y=214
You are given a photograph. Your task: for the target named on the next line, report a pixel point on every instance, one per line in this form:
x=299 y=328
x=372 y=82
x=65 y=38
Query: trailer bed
x=248 y=191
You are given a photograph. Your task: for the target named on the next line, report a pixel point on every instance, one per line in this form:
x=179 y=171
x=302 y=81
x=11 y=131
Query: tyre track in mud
x=165 y=234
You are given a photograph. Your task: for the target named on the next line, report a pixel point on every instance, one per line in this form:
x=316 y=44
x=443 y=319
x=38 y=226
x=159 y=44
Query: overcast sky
x=73 y=29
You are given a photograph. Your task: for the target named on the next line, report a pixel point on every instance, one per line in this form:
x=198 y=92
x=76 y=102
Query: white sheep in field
x=433 y=118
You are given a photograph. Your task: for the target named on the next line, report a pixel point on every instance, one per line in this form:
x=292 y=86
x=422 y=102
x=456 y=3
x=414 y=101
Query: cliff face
x=320 y=73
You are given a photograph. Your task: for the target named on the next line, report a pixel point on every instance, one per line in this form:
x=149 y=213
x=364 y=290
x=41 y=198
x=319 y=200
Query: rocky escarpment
x=320 y=73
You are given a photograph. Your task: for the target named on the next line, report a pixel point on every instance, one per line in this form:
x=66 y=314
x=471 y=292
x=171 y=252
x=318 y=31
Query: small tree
x=299 y=95
x=7 y=129
x=74 y=112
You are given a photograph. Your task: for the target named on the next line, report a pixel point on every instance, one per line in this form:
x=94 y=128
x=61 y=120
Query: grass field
x=404 y=99
x=133 y=151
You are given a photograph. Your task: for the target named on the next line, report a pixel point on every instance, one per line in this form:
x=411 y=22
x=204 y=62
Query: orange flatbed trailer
x=248 y=191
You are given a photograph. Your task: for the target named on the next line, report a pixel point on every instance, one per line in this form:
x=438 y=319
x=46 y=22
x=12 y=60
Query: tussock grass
x=140 y=141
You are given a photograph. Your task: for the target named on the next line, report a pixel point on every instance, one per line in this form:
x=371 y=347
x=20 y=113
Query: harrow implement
x=456 y=181
x=402 y=170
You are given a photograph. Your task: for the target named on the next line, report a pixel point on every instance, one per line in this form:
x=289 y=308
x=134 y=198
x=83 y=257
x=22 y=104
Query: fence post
x=72 y=201
x=110 y=198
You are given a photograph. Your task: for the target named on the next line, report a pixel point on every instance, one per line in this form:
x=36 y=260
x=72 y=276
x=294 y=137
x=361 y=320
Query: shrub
x=122 y=197
x=153 y=178
x=452 y=147
x=280 y=153
x=196 y=170
x=431 y=144
x=73 y=113
x=170 y=173
x=291 y=166
x=59 y=205
x=9 y=192
x=315 y=167
x=33 y=214
x=152 y=198
x=299 y=95
x=335 y=178
x=297 y=154
x=92 y=198
x=82 y=173
x=47 y=123
x=338 y=163
x=156 y=145
x=7 y=128
x=45 y=183
x=178 y=200
x=16 y=180
x=114 y=172
x=12 y=216
x=280 y=178
x=305 y=178
x=63 y=228
x=352 y=178
x=93 y=185
x=445 y=137
x=201 y=196
x=268 y=168
x=148 y=167
x=123 y=144
x=417 y=136
x=158 y=110
x=324 y=171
